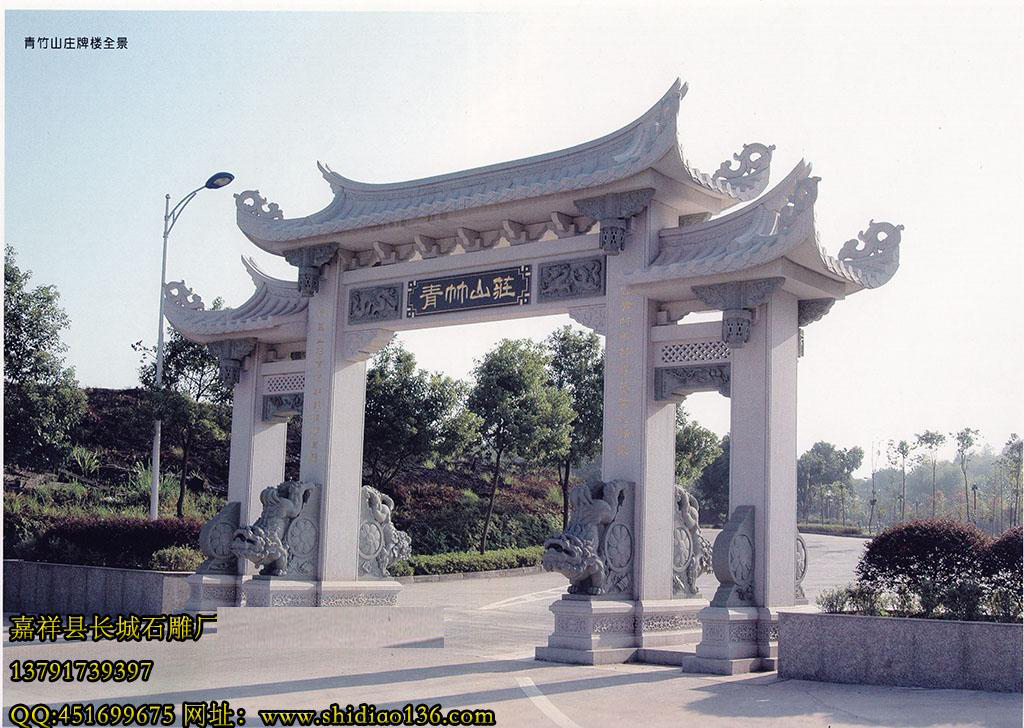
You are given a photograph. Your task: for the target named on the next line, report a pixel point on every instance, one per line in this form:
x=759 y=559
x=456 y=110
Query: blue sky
x=908 y=115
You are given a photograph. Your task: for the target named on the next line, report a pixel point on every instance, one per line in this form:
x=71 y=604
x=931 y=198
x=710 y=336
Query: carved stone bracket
x=230 y=353
x=691 y=551
x=801 y=569
x=810 y=310
x=595 y=553
x=733 y=560
x=281 y=407
x=737 y=300
x=215 y=541
x=594 y=318
x=578 y=278
x=380 y=543
x=361 y=345
x=673 y=383
x=376 y=303
x=310 y=262
x=613 y=211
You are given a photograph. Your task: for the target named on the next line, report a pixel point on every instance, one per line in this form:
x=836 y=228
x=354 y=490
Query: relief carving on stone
x=673 y=383
x=733 y=560
x=578 y=278
x=754 y=162
x=876 y=249
x=281 y=407
x=376 y=303
x=596 y=550
x=267 y=542
x=801 y=567
x=691 y=551
x=215 y=541
x=380 y=543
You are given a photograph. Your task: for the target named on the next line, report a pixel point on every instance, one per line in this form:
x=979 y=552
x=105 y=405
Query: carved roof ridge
x=650 y=140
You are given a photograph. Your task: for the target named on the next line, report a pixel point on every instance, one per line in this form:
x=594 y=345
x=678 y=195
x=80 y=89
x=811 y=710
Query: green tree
x=825 y=464
x=1009 y=465
x=413 y=417
x=576 y=367
x=42 y=401
x=711 y=488
x=521 y=414
x=192 y=400
x=696 y=448
x=898 y=453
x=931 y=441
x=965 y=441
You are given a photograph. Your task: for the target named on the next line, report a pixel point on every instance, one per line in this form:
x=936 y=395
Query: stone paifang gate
x=627 y=238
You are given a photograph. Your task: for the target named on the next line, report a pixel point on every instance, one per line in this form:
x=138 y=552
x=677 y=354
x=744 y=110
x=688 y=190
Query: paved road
x=491 y=627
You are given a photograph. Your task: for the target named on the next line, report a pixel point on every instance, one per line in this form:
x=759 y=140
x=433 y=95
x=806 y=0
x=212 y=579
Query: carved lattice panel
x=691 y=352
x=284 y=383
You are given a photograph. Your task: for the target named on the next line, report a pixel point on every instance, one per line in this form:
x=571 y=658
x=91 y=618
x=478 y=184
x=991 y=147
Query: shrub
x=906 y=555
x=458 y=562
x=176 y=558
x=962 y=598
x=834 y=601
x=864 y=599
x=1004 y=575
x=113 y=541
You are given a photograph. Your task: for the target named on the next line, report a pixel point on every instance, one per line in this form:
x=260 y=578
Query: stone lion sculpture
x=264 y=542
x=595 y=551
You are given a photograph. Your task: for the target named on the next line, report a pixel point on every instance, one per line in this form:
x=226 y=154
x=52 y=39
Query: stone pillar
x=755 y=554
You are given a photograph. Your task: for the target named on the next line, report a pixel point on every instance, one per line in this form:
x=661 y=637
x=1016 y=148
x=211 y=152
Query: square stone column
x=762 y=465
x=332 y=441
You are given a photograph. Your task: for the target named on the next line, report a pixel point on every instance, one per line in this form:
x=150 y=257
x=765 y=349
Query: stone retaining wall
x=926 y=653
x=37 y=588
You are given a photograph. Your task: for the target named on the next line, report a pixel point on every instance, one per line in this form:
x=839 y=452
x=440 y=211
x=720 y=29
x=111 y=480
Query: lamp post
x=216 y=181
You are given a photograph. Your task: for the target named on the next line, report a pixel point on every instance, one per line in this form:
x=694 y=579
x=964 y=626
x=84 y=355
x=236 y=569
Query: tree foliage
x=42 y=401
x=696 y=448
x=825 y=470
x=711 y=488
x=521 y=414
x=191 y=401
x=413 y=417
x=576 y=367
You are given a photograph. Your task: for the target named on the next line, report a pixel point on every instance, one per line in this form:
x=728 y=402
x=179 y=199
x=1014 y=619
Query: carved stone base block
x=591 y=631
x=209 y=591
x=262 y=591
x=729 y=642
x=366 y=593
x=269 y=591
x=668 y=622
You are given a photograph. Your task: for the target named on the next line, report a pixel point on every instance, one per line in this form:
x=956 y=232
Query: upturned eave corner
x=649 y=143
x=275 y=312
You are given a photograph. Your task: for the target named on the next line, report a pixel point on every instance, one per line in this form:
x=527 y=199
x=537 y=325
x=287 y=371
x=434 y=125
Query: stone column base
x=729 y=642
x=209 y=591
x=664 y=622
x=591 y=631
x=278 y=591
x=367 y=593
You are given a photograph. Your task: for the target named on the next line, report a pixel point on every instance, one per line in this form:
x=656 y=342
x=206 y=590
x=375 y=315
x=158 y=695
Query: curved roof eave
x=651 y=141
x=275 y=307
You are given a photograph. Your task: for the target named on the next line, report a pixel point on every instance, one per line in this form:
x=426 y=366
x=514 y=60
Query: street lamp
x=215 y=182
